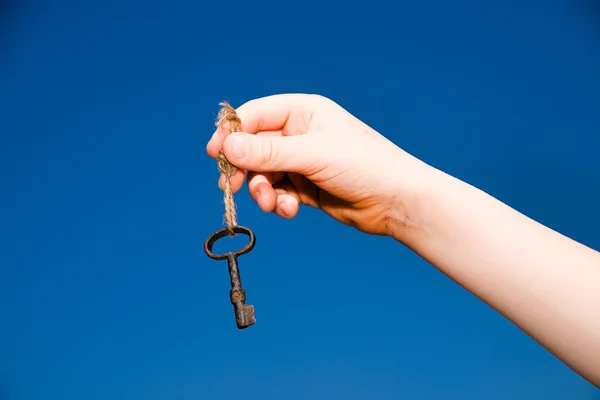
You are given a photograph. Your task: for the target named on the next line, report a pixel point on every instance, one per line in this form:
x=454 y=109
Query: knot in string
x=226 y=168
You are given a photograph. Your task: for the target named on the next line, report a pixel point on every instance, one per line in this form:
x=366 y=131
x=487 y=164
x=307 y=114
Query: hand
x=306 y=149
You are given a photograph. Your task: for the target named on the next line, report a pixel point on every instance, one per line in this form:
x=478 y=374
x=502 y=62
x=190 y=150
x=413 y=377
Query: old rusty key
x=244 y=313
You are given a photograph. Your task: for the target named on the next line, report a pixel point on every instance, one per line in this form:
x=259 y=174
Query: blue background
x=107 y=195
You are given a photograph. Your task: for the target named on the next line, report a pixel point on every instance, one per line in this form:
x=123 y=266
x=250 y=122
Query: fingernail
x=284 y=208
x=239 y=147
x=257 y=197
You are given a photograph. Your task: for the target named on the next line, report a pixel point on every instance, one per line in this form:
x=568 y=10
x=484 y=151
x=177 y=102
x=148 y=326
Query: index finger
x=270 y=113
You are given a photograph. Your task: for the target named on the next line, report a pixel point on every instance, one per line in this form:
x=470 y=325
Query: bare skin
x=305 y=149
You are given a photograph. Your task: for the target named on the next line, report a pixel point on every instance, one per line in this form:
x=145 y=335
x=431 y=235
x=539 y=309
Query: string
x=227 y=122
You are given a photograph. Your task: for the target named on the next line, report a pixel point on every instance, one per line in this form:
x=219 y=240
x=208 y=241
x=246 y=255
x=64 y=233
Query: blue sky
x=108 y=196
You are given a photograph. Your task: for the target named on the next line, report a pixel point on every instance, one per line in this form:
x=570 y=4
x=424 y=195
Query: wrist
x=415 y=196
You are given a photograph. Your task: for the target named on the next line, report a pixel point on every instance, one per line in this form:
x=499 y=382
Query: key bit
x=244 y=313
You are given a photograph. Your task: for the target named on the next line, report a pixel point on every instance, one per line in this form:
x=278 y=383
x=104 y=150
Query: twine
x=228 y=122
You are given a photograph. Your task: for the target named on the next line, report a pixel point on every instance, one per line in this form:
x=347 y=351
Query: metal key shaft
x=244 y=313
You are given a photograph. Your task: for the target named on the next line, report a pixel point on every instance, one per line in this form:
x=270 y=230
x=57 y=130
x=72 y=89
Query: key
x=244 y=313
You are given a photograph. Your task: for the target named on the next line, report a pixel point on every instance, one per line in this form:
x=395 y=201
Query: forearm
x=544 y=282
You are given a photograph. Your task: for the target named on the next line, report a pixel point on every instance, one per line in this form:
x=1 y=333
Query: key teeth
x=246 y=317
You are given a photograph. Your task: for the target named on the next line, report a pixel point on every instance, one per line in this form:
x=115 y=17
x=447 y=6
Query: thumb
x=273 y=153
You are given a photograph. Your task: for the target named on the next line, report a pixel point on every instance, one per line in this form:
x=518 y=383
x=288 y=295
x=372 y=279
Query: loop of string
x=228 y=122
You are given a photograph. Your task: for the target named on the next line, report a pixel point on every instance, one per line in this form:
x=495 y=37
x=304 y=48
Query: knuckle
x=268 y=152
x=250 y=104
x=318 y=98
